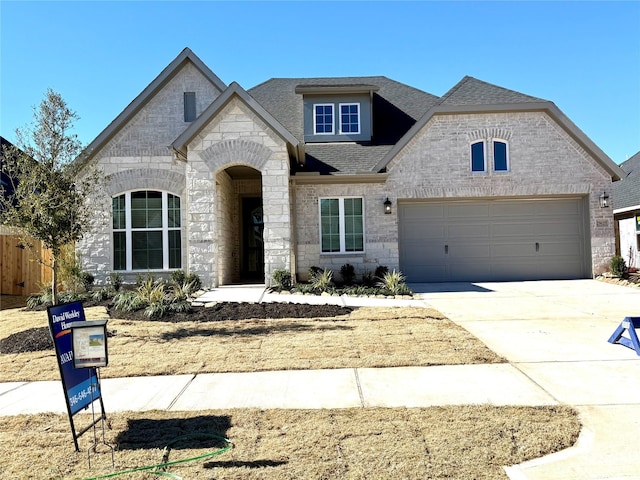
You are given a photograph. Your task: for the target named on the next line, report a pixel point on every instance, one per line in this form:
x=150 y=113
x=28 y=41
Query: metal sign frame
x=80 y=385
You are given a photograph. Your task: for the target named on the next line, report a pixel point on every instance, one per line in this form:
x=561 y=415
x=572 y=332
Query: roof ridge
x=453 y=89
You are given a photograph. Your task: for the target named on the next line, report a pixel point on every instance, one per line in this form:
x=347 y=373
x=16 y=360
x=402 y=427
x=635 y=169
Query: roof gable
x=234 y=90
x=491 y=99
x=147 y=94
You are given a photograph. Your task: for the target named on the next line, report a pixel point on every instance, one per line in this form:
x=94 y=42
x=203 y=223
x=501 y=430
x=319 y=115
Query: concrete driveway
x=555 y=333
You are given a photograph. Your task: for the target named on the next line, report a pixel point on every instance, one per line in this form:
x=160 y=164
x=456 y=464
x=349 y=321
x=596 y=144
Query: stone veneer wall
x=237 y=137
x=138 y=157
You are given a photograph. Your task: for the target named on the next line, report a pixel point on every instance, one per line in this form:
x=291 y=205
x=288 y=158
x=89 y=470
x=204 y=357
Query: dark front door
x=252 y=243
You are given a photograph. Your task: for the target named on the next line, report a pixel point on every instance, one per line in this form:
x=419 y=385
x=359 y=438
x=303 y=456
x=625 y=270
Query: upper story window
x=349 y=118
x=341 y=225
x=189 y=106
x=146 y=231
x=337 y=112
x=323 y=119
x=478 y=159
x=500 y=156
x=498 y=150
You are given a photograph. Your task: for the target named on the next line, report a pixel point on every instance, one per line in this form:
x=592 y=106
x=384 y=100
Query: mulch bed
x=39 y=339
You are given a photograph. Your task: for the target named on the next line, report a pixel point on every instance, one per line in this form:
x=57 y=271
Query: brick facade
x=544 y=160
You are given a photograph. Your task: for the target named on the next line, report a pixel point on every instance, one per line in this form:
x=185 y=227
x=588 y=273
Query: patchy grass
x=469 y=442
x=456 y=442
x=368 y=337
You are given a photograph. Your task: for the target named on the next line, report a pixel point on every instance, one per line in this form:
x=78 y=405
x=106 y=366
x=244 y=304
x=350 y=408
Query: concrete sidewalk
x=553 y=333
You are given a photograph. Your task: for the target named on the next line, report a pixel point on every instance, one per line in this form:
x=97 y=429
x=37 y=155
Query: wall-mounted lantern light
x=387 y=206
x=604 y=200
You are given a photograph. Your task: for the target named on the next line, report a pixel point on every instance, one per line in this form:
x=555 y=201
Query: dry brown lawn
x=463 y=443
x=468 y=442
x=368 y=337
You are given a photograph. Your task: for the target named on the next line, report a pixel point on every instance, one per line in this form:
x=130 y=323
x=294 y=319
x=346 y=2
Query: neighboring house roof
x=396 y=107
x=627 y=191
x=147 y=94
x=234 y=90
x=5 y=182
x=475 y=96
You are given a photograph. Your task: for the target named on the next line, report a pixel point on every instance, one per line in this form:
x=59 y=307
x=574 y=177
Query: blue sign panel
x=78 y=383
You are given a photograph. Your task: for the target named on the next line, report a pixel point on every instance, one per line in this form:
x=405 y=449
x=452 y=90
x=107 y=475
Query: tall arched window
x=500 y=156
x=146 y=231
x=478 y=161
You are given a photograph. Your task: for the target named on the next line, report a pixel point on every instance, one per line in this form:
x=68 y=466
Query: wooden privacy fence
x=20 y=273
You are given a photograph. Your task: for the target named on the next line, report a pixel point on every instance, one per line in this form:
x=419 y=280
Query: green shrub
x=381 y=271
x=618 y=266
x=394 y=283
x=115 y=280
x=194 y=281
x=86 y=279
x=282 y=279
x=368 y=279
x=322 y=282
x=314 y=272
x=178 y=277
x=348 y=273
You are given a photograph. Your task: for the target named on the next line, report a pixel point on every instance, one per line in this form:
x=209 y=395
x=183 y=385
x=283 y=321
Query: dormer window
x=323 y=119
x=349 y=118
x=337 y=112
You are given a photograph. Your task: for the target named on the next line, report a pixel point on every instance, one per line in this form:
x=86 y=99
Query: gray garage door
x=493 y=240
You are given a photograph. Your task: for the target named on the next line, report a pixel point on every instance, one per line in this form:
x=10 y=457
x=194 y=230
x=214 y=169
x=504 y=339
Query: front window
x=323 y=119
x=477 y=157
x=146 y=231
x=341 y=225
x=349 y=118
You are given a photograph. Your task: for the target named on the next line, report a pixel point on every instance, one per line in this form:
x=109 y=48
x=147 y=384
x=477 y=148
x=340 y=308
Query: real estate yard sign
x=80 y=385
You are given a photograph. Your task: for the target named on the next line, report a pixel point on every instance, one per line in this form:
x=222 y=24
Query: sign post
x=80 y=385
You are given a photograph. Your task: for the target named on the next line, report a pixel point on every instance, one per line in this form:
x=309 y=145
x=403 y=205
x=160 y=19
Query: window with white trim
x=478 y=159
x=146 y=231
x=341 y=225
x=323 y=119
x=500 y=156
x=349 y=118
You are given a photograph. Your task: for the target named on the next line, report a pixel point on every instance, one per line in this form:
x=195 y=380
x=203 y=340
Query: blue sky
x=583 y=56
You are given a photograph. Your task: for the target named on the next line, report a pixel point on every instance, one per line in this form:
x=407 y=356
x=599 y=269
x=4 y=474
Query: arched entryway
x=240 y=226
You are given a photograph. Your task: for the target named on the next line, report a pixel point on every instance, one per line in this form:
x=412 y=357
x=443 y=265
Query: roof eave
x=317 y=179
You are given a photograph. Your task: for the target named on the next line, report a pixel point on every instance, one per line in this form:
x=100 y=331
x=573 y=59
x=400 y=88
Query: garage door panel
x=468 y=210
x=493 y=240
x=469 y=251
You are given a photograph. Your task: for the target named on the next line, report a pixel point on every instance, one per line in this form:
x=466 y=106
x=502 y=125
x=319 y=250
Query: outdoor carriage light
x=604 y=200
x=387 y=206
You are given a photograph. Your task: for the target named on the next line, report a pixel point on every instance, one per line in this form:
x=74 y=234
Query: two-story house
x=483 y=183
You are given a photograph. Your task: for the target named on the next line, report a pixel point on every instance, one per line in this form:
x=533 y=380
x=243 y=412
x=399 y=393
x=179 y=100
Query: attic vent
x=189 y=106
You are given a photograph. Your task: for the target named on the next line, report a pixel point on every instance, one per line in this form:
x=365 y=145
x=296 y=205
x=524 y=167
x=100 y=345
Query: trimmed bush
x=618 y=266
x=282 y=279
x=348 y=273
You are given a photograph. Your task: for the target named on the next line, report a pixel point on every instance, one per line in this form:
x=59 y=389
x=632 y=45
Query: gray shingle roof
x=396 y=108
x=471 y=91
x=627 y=190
